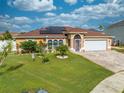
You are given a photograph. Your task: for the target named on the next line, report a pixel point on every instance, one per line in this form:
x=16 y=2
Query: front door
x=77 y=45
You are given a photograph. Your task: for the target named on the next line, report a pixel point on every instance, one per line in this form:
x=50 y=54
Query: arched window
x=77 y=36
x=55 y=43
x=49 y=44
x=60 y=42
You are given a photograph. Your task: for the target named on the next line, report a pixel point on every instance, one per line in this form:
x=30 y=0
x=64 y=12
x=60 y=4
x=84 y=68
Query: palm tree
x=101 y=27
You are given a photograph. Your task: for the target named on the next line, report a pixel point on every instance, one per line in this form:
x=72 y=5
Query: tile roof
x=31 y=33
x=94 y=33
x=85 y=31
x=71 y=29
x=52 y=31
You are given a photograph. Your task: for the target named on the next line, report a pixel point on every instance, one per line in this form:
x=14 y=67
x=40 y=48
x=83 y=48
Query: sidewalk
x=112 y=84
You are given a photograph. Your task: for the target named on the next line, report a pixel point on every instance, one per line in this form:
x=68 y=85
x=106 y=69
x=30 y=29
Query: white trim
x=100 y=36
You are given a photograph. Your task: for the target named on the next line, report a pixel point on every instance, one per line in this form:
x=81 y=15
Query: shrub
x=62 y=50
x=35 y=91
x=45 y=59
x=29 y=46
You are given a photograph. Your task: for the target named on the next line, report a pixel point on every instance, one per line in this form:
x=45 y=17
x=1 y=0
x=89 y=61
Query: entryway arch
x=77 y=42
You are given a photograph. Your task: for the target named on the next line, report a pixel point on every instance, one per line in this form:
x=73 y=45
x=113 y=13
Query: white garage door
x=91 y=45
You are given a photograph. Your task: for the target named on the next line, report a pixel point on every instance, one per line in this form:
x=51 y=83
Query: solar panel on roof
x=53 y=30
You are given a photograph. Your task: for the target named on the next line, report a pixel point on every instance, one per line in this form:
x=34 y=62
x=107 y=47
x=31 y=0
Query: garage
x=95 y=45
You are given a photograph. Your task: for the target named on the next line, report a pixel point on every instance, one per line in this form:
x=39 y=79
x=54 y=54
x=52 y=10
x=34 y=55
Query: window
x=55 y=43
x=60 y=42
x=77 y=37
x=49 y=44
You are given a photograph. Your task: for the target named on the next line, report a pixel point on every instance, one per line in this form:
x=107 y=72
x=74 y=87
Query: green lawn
x=73 y=75
x=118 y=50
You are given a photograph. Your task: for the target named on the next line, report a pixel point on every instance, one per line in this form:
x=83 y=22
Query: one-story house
x=77 y=39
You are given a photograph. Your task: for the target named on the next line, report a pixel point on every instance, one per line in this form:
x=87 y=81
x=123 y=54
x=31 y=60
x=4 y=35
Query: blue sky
x=26 y=15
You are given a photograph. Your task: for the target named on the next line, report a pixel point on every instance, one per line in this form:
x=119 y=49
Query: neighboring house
x=116 y=30
x=3 y=43
x=76 y=39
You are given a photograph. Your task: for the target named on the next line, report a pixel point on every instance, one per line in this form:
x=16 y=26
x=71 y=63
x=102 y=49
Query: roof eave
x=100 y=36
x=75 y=32
x=27 y=37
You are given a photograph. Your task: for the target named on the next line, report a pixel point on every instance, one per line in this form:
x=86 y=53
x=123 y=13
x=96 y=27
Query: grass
x=73 y=75
x=121 y=50
x=122 y=46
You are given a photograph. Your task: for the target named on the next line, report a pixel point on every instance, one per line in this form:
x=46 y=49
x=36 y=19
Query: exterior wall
x=64 y=42
x=18 y=41
x=117 y=32
x=83 y=38
x=72 y=41
x=109 y=43
x=38 y=40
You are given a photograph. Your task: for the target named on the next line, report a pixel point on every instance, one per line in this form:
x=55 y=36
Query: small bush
x=62 y=50
x=35 y=91
x=45 y=59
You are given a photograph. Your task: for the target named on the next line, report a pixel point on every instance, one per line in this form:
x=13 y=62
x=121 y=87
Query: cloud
x=49 y=14
x=71 y=2
x=64 y=19
x=82 y=15
x=90 y=1
x=79 y=17
x=100 y=11
x=21 y=20
x=15 y=23
x=115 y=1
x=32 y=5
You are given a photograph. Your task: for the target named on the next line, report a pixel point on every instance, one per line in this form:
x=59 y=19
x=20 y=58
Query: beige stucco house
x=77 y=39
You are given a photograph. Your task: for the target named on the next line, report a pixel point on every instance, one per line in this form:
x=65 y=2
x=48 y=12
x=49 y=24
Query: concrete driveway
x=110 y=60
x=113 y=61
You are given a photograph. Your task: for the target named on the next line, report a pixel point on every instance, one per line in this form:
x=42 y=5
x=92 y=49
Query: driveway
x=110 y=60
x=113 y=61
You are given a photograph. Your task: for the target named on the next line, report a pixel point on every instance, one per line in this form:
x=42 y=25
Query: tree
x=29 y=46
x=62 y=50
x=7 y=48
x=7 y=36
x=5 y=52
x=101 y=27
